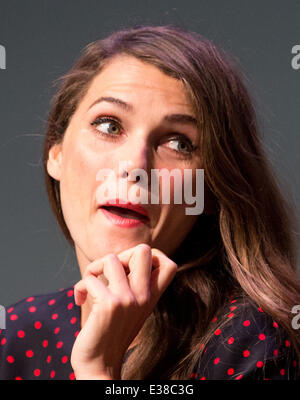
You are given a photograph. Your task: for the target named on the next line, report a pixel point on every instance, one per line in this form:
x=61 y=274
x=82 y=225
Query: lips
x=126 y=209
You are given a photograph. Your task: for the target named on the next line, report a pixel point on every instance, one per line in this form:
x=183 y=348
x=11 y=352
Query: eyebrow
x=179 y=118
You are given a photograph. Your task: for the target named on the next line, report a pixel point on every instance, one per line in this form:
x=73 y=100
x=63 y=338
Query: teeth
x=123 y=212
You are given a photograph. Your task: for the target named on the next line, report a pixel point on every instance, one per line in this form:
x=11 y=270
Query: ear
x=54 y=162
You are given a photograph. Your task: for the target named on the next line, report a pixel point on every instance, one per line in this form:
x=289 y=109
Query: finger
x=164 y=270
x=139 y=261
x=96 y=267
x=89 y=285
x=113 y=270
x=80 y=293
x=114 y=275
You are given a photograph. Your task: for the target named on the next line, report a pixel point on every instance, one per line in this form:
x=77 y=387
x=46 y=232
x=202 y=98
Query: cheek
x=76 y=181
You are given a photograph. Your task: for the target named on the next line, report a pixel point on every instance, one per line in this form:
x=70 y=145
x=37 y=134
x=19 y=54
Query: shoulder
x=41 y=305
x=250 y=344
x=38 y=329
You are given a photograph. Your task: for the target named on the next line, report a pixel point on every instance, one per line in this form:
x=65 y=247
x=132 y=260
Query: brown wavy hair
x=247 y=248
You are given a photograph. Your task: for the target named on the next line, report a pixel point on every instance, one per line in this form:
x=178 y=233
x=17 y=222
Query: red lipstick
x=124 y=214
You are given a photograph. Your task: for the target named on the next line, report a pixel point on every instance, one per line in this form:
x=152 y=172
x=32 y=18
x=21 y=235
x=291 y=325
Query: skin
x=118 y=273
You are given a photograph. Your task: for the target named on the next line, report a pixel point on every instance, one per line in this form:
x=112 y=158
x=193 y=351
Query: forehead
x=131 y=76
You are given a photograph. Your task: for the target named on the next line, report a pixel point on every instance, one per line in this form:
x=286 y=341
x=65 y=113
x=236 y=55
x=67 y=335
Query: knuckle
x=144 y=247
x=109 y=257
x=173 y=266
x=128 y=301
x=115 y=304
x=143 y=297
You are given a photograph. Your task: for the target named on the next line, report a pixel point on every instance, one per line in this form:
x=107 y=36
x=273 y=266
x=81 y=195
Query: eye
x=111 y=128
x=182 y=145
x=107 y=126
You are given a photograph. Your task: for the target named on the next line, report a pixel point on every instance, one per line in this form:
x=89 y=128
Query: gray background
x=42 y=40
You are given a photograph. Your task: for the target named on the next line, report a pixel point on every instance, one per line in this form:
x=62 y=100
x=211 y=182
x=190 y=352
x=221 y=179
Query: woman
x=163 y=294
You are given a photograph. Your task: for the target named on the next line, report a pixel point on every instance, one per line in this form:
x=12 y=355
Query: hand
x=137 y=277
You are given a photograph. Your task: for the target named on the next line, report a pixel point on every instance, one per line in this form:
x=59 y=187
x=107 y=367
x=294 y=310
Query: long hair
x=247 y=247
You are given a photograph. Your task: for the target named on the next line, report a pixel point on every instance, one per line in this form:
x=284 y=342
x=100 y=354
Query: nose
x=134 y=160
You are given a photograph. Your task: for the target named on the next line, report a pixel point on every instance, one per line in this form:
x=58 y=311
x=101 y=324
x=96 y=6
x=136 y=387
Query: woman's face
x=142 y=136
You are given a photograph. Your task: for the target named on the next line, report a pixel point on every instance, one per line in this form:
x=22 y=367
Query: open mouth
x=125 y=213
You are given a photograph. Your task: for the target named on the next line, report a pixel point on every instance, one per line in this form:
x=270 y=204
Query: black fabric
x=41 y=330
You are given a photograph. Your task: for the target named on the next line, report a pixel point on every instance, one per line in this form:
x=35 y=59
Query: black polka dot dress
x=251 y=346
x=39 y=336
x=41 y=330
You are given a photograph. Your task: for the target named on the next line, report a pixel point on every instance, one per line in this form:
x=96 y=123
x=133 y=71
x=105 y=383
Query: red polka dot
x=64 y=359
x=37 y=372
x=21 y=334
x=73 y=320
x=261 y=336
x=246 y=353
x=18 y=378
x=203 y=378
x=230 y=371
x=10 y=359
x=239 y=377
x=48 y=360
x=216 y=360
x=29 y=353
x=282 y=372
x=232 y=308
x=246 y=323
x=72 y=376
x=230 y=315
x=30 y=299
x=259 y=364
x=76 y=333
x=233 y=301
x=45 y=343
x=214 y=320
x=70 y=293
x=52 y=374
x=56 y=330
x=275 y=352
x=54 y=316
x=32 y=309
x=275 y=324
x=260 y=309
x=217 y=332
x=37 y=325
x=70 y=306
x=59 y=345
x=3 y=341
x=51 y=302
x=230 y=340
x=287 y=343
x=10 y=310
x=13 y=317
